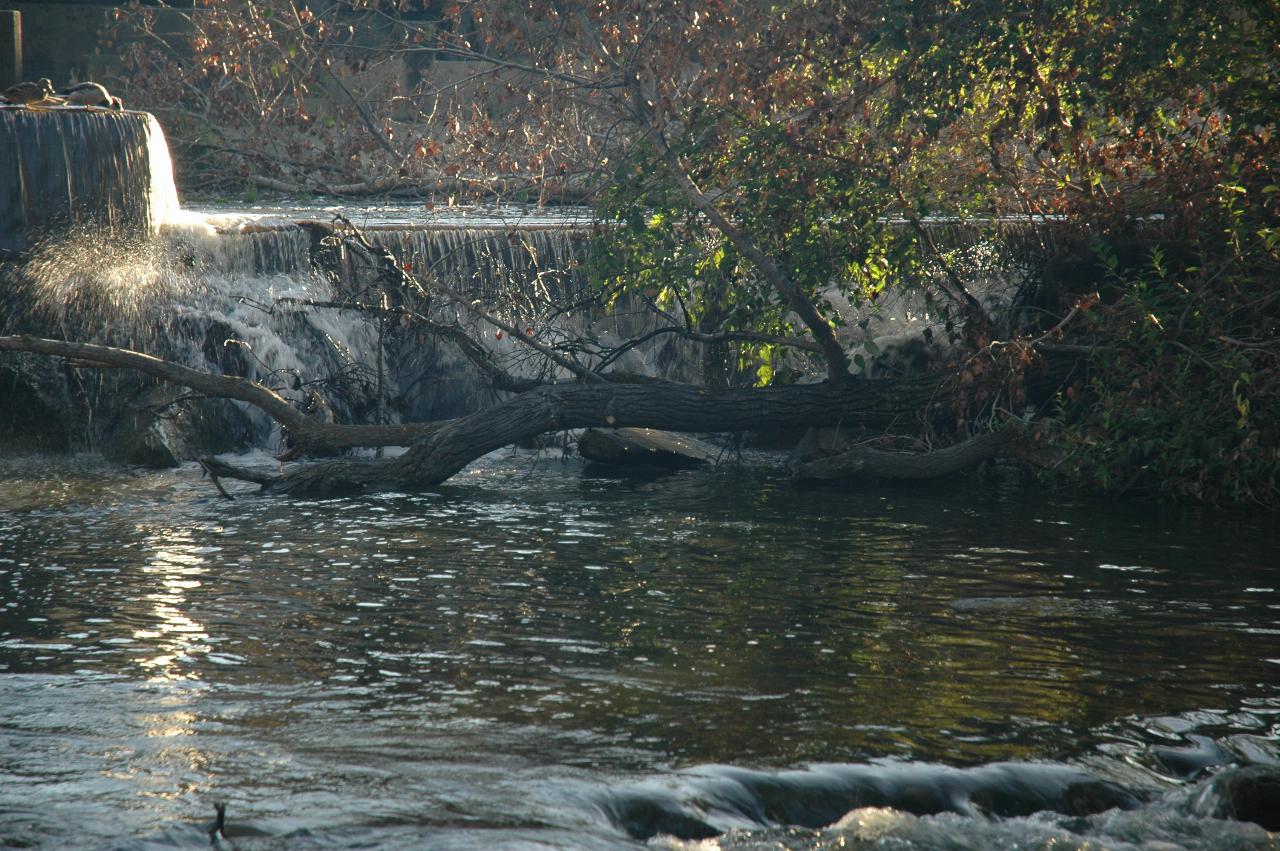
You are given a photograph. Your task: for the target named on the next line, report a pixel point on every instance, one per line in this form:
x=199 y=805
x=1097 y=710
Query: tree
x=762 y=167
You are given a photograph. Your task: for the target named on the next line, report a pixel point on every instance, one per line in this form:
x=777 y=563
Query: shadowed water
x=532 y=656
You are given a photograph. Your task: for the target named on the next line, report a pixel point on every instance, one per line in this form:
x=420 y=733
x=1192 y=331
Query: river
x=538 y=655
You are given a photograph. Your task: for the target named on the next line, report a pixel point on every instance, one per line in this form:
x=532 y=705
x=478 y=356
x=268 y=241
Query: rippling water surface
x=533 y=656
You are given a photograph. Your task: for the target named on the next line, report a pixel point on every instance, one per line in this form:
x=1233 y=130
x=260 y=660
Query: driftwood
x=644 y=447
x=860 y=461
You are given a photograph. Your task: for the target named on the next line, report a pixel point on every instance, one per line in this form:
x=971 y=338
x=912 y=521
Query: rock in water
x=644 y=447
x=1192 y=762
x=1251 y=794
x=156 y=430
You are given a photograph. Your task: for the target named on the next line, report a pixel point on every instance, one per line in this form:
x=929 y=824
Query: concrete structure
x=63 y=41
x=56 y=38
x=10 y=48
x=100 y=172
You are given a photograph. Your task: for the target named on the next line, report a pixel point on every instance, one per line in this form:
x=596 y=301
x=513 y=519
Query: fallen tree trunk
x=439 y=450
x=861 y=461
x=650 y=404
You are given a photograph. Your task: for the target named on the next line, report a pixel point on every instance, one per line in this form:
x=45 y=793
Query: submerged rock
x=1191 y=762
x=720 y=798
x=34 y=406
x=644 y=447
x=160 y=429
x=1250 y=794
x=655 y=813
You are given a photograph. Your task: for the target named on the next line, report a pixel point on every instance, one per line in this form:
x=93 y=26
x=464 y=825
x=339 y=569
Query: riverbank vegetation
x=771 y=173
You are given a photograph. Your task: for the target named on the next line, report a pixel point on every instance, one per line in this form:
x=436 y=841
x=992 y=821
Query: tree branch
x=866 y=461
x=472 y=306
x=310 y=435
x=832 y=352
x=479 y=356
x=439 y=450
x=711 y=339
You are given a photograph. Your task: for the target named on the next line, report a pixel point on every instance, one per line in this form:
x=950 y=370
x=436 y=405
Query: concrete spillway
x=104 y=253
x=62 y=169
x=94 y=247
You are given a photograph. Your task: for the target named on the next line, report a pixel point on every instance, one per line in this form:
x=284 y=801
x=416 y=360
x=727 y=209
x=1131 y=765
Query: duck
x=90 y=94
x=28 y=93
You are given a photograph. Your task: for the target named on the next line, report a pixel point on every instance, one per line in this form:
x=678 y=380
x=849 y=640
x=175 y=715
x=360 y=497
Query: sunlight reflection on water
x=473 y=665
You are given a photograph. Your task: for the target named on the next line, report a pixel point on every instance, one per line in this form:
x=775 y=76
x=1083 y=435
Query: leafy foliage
x=769 y=171
x=345 y=96
x=1149 y=134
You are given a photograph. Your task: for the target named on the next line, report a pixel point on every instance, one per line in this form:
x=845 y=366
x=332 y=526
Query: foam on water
x=877 y=829
x=532 y=656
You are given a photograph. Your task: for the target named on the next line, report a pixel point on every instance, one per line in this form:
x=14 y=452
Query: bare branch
x=310 y=435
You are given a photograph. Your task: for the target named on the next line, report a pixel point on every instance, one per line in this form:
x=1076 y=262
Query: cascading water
x=107 y=254
x=99 y=249
x=257 y=275
x=105 y=173
x=524 y=661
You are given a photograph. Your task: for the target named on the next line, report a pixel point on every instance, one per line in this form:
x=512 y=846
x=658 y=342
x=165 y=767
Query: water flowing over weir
x=97 y=248
x=264 y=267
x=108 y=172
x=109 y=256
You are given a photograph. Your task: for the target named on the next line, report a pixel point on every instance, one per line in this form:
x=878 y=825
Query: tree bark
x=645 y=447
x=866 y=461
x=651 y=404
x=832 y=352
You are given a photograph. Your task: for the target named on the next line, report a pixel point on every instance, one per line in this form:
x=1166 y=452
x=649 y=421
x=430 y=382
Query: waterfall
x=94 y=246
x=91 y=171
x=109 y=256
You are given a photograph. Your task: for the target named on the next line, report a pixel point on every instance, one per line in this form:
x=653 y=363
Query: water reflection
x=477 y=654
x=173 y=561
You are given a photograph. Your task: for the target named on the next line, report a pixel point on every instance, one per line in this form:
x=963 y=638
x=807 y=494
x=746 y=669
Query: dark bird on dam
x=91 y=94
